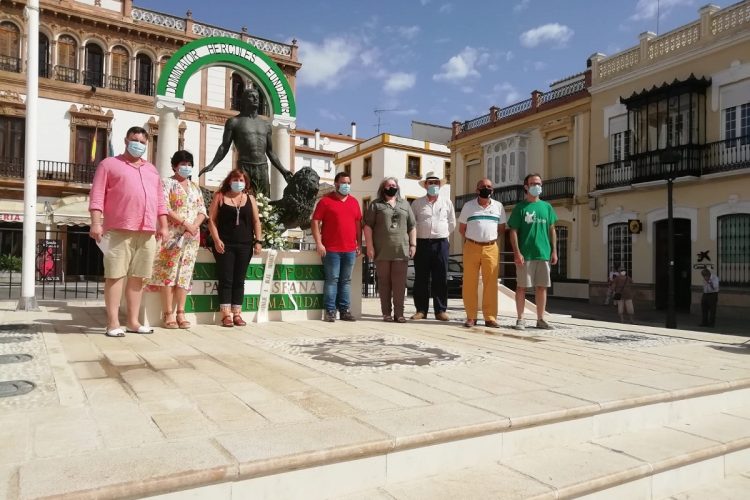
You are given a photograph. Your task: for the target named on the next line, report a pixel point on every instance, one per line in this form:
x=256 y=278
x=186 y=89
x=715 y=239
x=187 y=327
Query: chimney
x=354 y=130
x=317 y=138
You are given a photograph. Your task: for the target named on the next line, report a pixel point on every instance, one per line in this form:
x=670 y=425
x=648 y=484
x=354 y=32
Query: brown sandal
x=181 y=321
x=238 y=321
x=227 y=321
x=169 y=325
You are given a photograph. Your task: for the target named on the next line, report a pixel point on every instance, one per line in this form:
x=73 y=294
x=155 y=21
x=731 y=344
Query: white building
x=386 y=155
x=317 y=150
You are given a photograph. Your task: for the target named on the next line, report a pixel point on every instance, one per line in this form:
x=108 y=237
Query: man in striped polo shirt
x=481 y=223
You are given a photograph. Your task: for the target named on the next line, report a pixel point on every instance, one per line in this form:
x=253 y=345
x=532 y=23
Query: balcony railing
x=49 y=170
x=143 y=87
x=696 y=160
x=554 y=189
x=65 y=74
x=93 y=78
x=119 y=83
x=8 y=63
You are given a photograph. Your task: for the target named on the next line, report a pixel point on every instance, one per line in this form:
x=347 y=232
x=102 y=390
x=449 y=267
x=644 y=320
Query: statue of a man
x=252 y=137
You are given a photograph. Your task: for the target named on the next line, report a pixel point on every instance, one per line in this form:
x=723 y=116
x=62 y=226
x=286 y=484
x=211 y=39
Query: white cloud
x=506 y=92
x=534 y=65
x=405 y=112
x=369 y=57
x=646 y=9
x=409 y=32
x=522 y=5
x=424 y=2
x=556 y=33
x=330 y=115
x=398 y=82
x=323 y=62
x=446 y=8
x=462 y=66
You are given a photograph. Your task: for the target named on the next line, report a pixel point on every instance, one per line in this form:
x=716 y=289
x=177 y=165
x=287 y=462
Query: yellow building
x=546 y=134
x=674 y=106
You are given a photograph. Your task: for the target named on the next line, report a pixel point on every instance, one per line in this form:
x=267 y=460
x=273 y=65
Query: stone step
x=632 y=448
x=702 y=457
x=732 y=487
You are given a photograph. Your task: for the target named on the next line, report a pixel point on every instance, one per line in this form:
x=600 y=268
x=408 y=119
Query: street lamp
x=669 y=158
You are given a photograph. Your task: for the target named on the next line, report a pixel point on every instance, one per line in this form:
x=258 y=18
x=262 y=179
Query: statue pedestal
x=296 y=290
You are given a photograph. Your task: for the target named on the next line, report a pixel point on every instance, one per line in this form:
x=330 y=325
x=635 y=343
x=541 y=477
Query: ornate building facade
x=99 y=62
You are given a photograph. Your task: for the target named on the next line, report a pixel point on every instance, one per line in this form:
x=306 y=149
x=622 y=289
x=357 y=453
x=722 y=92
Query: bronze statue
x=252 y=137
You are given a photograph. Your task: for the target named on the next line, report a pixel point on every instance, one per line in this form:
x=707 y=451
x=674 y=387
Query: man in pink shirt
x=127 y=209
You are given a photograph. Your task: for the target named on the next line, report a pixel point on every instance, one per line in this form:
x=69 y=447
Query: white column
x=283 y=149
x=169 y=110
x=28 y=296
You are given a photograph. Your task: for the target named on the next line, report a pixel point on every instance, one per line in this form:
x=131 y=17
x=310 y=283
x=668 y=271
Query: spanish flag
x=93 y=146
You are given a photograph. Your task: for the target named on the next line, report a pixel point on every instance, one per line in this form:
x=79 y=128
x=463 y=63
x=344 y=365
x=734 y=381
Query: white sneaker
x=520 y=324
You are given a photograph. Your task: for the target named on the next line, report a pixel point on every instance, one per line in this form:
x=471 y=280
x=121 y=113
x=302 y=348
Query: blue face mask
x=535 y=190
x=237 y=186
x=185 y=171
x=136 y=149
x=433 y=190
x=344 y=189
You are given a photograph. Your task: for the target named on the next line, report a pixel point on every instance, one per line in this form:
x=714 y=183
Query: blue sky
x=433 y=61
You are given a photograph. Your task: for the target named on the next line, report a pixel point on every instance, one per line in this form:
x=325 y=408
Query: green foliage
x=10 y=263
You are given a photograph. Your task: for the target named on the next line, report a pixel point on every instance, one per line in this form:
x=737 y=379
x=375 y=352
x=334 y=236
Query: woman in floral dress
x=173 y=265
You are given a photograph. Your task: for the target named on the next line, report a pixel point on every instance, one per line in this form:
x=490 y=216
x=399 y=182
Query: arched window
x=144 y=75
x=93 y=75
x=733 y=244
x=67 y=59
x=119 y=75
x=10 y=47
x=44 y=69
x=238 y=85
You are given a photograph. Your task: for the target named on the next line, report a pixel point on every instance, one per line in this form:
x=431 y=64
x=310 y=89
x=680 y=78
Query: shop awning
x=71 y=211
x=12 y=211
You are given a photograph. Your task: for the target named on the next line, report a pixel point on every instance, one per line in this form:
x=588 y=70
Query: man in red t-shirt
x=338 y=235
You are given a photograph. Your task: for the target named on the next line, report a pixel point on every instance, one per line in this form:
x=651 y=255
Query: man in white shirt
x=710 y=297
x=481 y=223
x=436 y=220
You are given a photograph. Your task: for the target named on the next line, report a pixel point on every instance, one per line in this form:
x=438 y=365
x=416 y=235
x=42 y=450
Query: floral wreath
x=270 y=225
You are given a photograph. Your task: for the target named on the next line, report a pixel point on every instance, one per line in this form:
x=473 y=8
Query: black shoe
x=346 y=316
x=330 y=316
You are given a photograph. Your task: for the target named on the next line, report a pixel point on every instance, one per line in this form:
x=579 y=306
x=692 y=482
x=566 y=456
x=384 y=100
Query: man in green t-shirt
x=534 y=241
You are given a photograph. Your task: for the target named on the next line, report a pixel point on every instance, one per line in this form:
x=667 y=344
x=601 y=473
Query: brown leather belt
x=483 y=243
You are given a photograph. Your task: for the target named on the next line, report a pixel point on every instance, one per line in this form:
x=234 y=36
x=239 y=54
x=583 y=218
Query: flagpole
x=28 y=286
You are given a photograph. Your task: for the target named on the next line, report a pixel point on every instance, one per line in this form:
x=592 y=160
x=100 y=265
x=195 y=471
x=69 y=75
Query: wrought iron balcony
x=554 y=189
x=49 y=170
x=93 y=78
x=696 y=160
x=8 y=63
x=65 y=74
x=144 y=87
x=119 y=83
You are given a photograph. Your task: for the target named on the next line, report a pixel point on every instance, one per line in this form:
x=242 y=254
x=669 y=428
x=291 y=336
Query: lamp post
x=670 y=158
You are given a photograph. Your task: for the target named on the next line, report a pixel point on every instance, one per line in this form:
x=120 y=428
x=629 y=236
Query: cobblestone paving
x=24 y=339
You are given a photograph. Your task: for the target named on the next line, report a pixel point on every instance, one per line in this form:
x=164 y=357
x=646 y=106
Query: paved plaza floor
x=181 y=409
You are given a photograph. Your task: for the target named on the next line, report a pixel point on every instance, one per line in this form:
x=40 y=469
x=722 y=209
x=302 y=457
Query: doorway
x=682 y=253
x=84 y=259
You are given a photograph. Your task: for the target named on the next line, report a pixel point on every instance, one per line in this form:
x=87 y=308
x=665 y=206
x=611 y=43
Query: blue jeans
x=337 y=267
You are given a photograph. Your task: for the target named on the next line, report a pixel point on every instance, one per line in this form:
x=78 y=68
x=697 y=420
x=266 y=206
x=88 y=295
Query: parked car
x=455 y=277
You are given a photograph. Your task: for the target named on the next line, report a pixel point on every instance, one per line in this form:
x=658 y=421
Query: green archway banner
x=225 y=51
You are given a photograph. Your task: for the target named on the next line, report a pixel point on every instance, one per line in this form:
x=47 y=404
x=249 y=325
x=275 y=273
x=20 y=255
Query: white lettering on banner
x=265 y=287
x=229 y=49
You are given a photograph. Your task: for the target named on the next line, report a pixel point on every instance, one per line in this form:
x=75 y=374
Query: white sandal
x=115 y=332
x=141 y=329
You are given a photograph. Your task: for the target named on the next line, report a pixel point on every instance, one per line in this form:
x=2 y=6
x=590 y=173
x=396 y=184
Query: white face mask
x=136 y=149
x=623 y=273
x=535 y=190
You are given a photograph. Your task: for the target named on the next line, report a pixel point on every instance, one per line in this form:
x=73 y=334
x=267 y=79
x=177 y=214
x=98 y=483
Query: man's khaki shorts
x=130 y=253
x=533 y=273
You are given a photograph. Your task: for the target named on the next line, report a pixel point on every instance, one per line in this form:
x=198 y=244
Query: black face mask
x=391 y=191
x=485 y=192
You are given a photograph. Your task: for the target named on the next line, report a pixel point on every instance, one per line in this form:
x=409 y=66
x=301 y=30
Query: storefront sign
x=6 y=217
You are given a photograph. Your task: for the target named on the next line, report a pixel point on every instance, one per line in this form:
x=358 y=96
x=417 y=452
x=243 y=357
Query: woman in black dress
x=235 y=228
